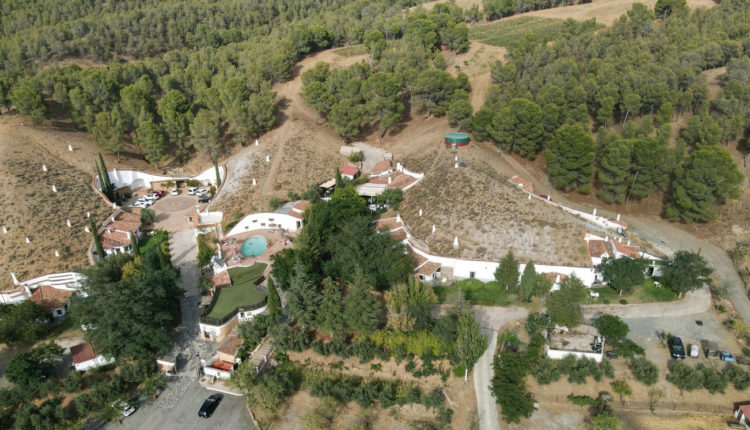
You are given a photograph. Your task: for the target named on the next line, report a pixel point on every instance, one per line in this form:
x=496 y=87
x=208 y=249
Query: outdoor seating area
x=232 y=247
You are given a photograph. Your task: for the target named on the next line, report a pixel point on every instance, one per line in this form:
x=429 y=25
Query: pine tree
x=614 y=168
x=330 y=313
x=361 y=309
x=107 y=187
x=97 y=242
x=274 y=302
x=302 y=298
x=570 y=157
x=507 y=272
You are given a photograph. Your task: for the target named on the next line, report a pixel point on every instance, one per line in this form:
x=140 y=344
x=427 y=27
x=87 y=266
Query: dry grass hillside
x=30 y=208
x=488 y=214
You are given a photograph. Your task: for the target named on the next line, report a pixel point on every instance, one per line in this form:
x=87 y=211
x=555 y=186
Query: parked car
x=145 y=201
x=160 y=193
x=205 y=198
x=201 y=191
x=173 y=191
x=726 y=356
x=125 y=408
x=742 y=360
x=612 y=355
x=151 y=197
x=694 y=350
x=141 y=205
x=676 y=348
x=191 y=190
x=210 y=405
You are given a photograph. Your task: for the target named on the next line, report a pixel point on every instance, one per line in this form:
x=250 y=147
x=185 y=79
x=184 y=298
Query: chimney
x=420 y=212
x=390 y=179
x=15 y=280
x=433 y=228
x=455 y=242
x=618 y=217
x=594 y=211
x=398 y=217
x=67 y=222
x=44 y=167
x=628 y=242
x=606 y=238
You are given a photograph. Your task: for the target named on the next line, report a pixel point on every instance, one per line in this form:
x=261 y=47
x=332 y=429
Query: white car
x=125 y=409
x=139 y=205
x=173 y=191
x=192 y=190
x=201 y=192
x=151 y=197
x=146 y=202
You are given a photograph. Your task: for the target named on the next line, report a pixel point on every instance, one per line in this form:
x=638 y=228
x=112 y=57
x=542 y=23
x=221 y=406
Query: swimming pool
x=253 y=246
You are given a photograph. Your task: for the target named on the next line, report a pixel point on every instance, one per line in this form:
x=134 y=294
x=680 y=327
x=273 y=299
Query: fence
x=672 y=406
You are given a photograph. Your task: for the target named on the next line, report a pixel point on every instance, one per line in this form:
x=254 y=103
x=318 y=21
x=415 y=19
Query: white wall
x=95 y=362
x=213 y=331
x=70 y=281
x=136 y=179
x=256 y=221
x=248 y=315
x=558 y=354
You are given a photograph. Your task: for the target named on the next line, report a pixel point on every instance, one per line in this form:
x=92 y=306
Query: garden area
x=243 y=291
x=153 y=240
x=648 y=292
x=477 y=292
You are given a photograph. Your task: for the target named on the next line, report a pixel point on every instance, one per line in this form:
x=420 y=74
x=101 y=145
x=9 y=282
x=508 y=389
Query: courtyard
x=231 y=247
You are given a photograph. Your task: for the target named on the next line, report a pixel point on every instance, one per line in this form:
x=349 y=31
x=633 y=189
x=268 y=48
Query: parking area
x=644 y=331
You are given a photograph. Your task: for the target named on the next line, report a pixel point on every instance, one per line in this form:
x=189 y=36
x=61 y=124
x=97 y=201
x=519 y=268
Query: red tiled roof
x=745 y=410
x=379 y=181
x=123 y=225
x=428 y=269
x=49 y=298
x=82 y=352
x=296 y=214
x=598 y=248
x=387 y=223
x=222 y=365
x=128 y=216
x=401 y=181
x=632 y=251
x=523 y=183
x=399 y=234
x=381 y=167
x=301 y=205
x=115 y=239
x=348 y=169
x=231 y=345
x=416 y=258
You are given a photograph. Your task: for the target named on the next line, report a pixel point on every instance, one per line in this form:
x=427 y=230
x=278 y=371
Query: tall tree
x=507 y=271
x=345 y=119
x=612 y=327
x=261 y=114
x=28 y=101
x=470 y=342
x=614 y=169
x=517 y=127
x=650 y=167
x=274 y=301
x=108 y=130
x=205 y=135
x=174 y=110
x=24 y=322
x=100 y=256
x=570 y=157
x=563 y=304
x=330 y=316
x=150 y=139
x=381 y=92
x=409 y=305
x=460 y=111
x=707 y=176
x=361 y=309
x=107 y=188
x=529 y=279
x=623 y=273
x=302 y=299
x=318 y=97
x=686 y=272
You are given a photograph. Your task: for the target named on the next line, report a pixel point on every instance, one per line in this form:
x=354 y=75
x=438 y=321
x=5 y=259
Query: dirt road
x=694 y=302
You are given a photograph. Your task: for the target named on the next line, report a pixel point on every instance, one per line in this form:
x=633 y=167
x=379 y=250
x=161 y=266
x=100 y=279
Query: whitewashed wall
x=136 y=179
x=262 y=220
x=95 y=362
x=248 y=315
x=558 y=354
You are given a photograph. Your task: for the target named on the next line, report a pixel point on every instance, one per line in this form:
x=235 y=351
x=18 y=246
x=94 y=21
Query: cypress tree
x=134 y=243
x=107 y=187
x=274 y=302
x=97 y=241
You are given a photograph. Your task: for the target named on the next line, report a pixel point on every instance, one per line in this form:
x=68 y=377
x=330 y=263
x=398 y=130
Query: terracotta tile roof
x=399 y=234
x=387 y=223
x=348 y=169
x=49 y=298
x=632 y=251
x=114 y=239
x=379 y=181
x=296 y=214
x=223 y=365
x=221 y=279
x=128 y=216
x=82 y=352
x=745 y=410
x=428 y=269
x=598 y=248
x=552 y=276
x=416 y=258
x=123 y=225
x=523 y=183
x=381 y=167
x=624 y=224
x=231 y=345
x=301 y=205
x=401 y=180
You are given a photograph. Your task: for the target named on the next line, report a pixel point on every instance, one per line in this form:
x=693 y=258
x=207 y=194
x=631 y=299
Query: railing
x=229 y=316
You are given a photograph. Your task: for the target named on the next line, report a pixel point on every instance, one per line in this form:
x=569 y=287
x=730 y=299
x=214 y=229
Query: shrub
x=323 y=415
x=623 y=302
x=193 y=183
x=458 y=372
x=607 y=368
x=204 y=251
x=356 y=156
x=683 y=376
x=147 y=215
x=581 y=400
x=536 y=322
x=376 y=367
x=275 y=203
x=73 y=382
x=739 y=377
x=434 y=399
x=547 y=371
x=444 y=416
x=713 y=381
x=644 y=371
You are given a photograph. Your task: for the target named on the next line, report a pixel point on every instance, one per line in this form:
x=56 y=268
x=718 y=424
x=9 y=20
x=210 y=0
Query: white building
x=84 y=357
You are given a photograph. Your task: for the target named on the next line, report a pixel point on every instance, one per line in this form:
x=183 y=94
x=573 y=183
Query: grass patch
x=506 y=31
x=351 y=51
x=242 y=292
x=478 y=293
x=65 y=328
x=646 y=293
x=154 y=240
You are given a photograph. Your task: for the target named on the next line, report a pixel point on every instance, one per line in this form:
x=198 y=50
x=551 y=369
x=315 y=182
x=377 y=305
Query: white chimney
x=15 y=280
x=70 y=148
x=455 y=158
x=420 y=212
x=529 y=197
x=28 y=240
x=256 y=142
x=86 y=229
x=268 y=158
x=67 y=222
x=628 y=242
x=114 y=205
x=594 y=211
x=254 y=182
x=557 y=279
x=57 y=253
x=618 y=217
x=398 y=217
x=455 y=242
x=606 y=238
x=44 y=167
x=5 y=230
x=109 y=230
x=390 y=179
x=88 y=214
x=112 y=218
x=54 y=188
x=549 y=198
x=455 y=166
x=433 y=228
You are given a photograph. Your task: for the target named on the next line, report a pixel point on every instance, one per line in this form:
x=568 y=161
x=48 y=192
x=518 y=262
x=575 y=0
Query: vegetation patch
x=478 y=293
x=242 y=292
x=507 y=31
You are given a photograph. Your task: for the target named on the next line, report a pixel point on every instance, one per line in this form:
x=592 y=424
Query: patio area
x=276 y=240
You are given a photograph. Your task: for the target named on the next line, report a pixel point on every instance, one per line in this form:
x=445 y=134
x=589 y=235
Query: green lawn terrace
x=243 y=294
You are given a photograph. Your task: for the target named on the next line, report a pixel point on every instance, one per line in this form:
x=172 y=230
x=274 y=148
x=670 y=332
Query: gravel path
x=695 y=302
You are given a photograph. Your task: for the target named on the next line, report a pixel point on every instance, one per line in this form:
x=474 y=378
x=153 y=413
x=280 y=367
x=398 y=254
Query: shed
x=456 y=139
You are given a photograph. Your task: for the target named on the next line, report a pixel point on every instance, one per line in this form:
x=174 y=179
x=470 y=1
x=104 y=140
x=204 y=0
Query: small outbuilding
x=456 y=139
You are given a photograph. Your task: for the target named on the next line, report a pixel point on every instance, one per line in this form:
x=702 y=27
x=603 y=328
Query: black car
x=209 y=406
x=204 y=198
x=676 y=348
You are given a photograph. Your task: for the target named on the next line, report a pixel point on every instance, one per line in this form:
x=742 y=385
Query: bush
x=683 y=376
x=607 y=368
x=193 y=183
x=644 y=371
x=547 y=371
x=739 y=377
x=204 y=251
x=434 y=399
x=275 y=203
x=73 y=382
x=147 y=216
x=537 y=322
x=581 y=400
x=458 y=372
x=286 y=338
x=713 y=381
x=356 y=156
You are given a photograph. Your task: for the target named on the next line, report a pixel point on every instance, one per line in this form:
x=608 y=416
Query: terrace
x=243 y=294
x=276 y=240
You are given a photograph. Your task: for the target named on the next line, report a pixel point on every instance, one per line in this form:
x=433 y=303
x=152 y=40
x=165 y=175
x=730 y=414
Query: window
x=58 y=312
x=255 y=220
x=270 y=219
x=472 y=275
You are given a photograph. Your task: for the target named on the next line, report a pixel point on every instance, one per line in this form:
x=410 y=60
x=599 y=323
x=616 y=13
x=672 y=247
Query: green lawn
x=148 y=242
x=646 y=293
x=242 y=292
x=478 y=293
